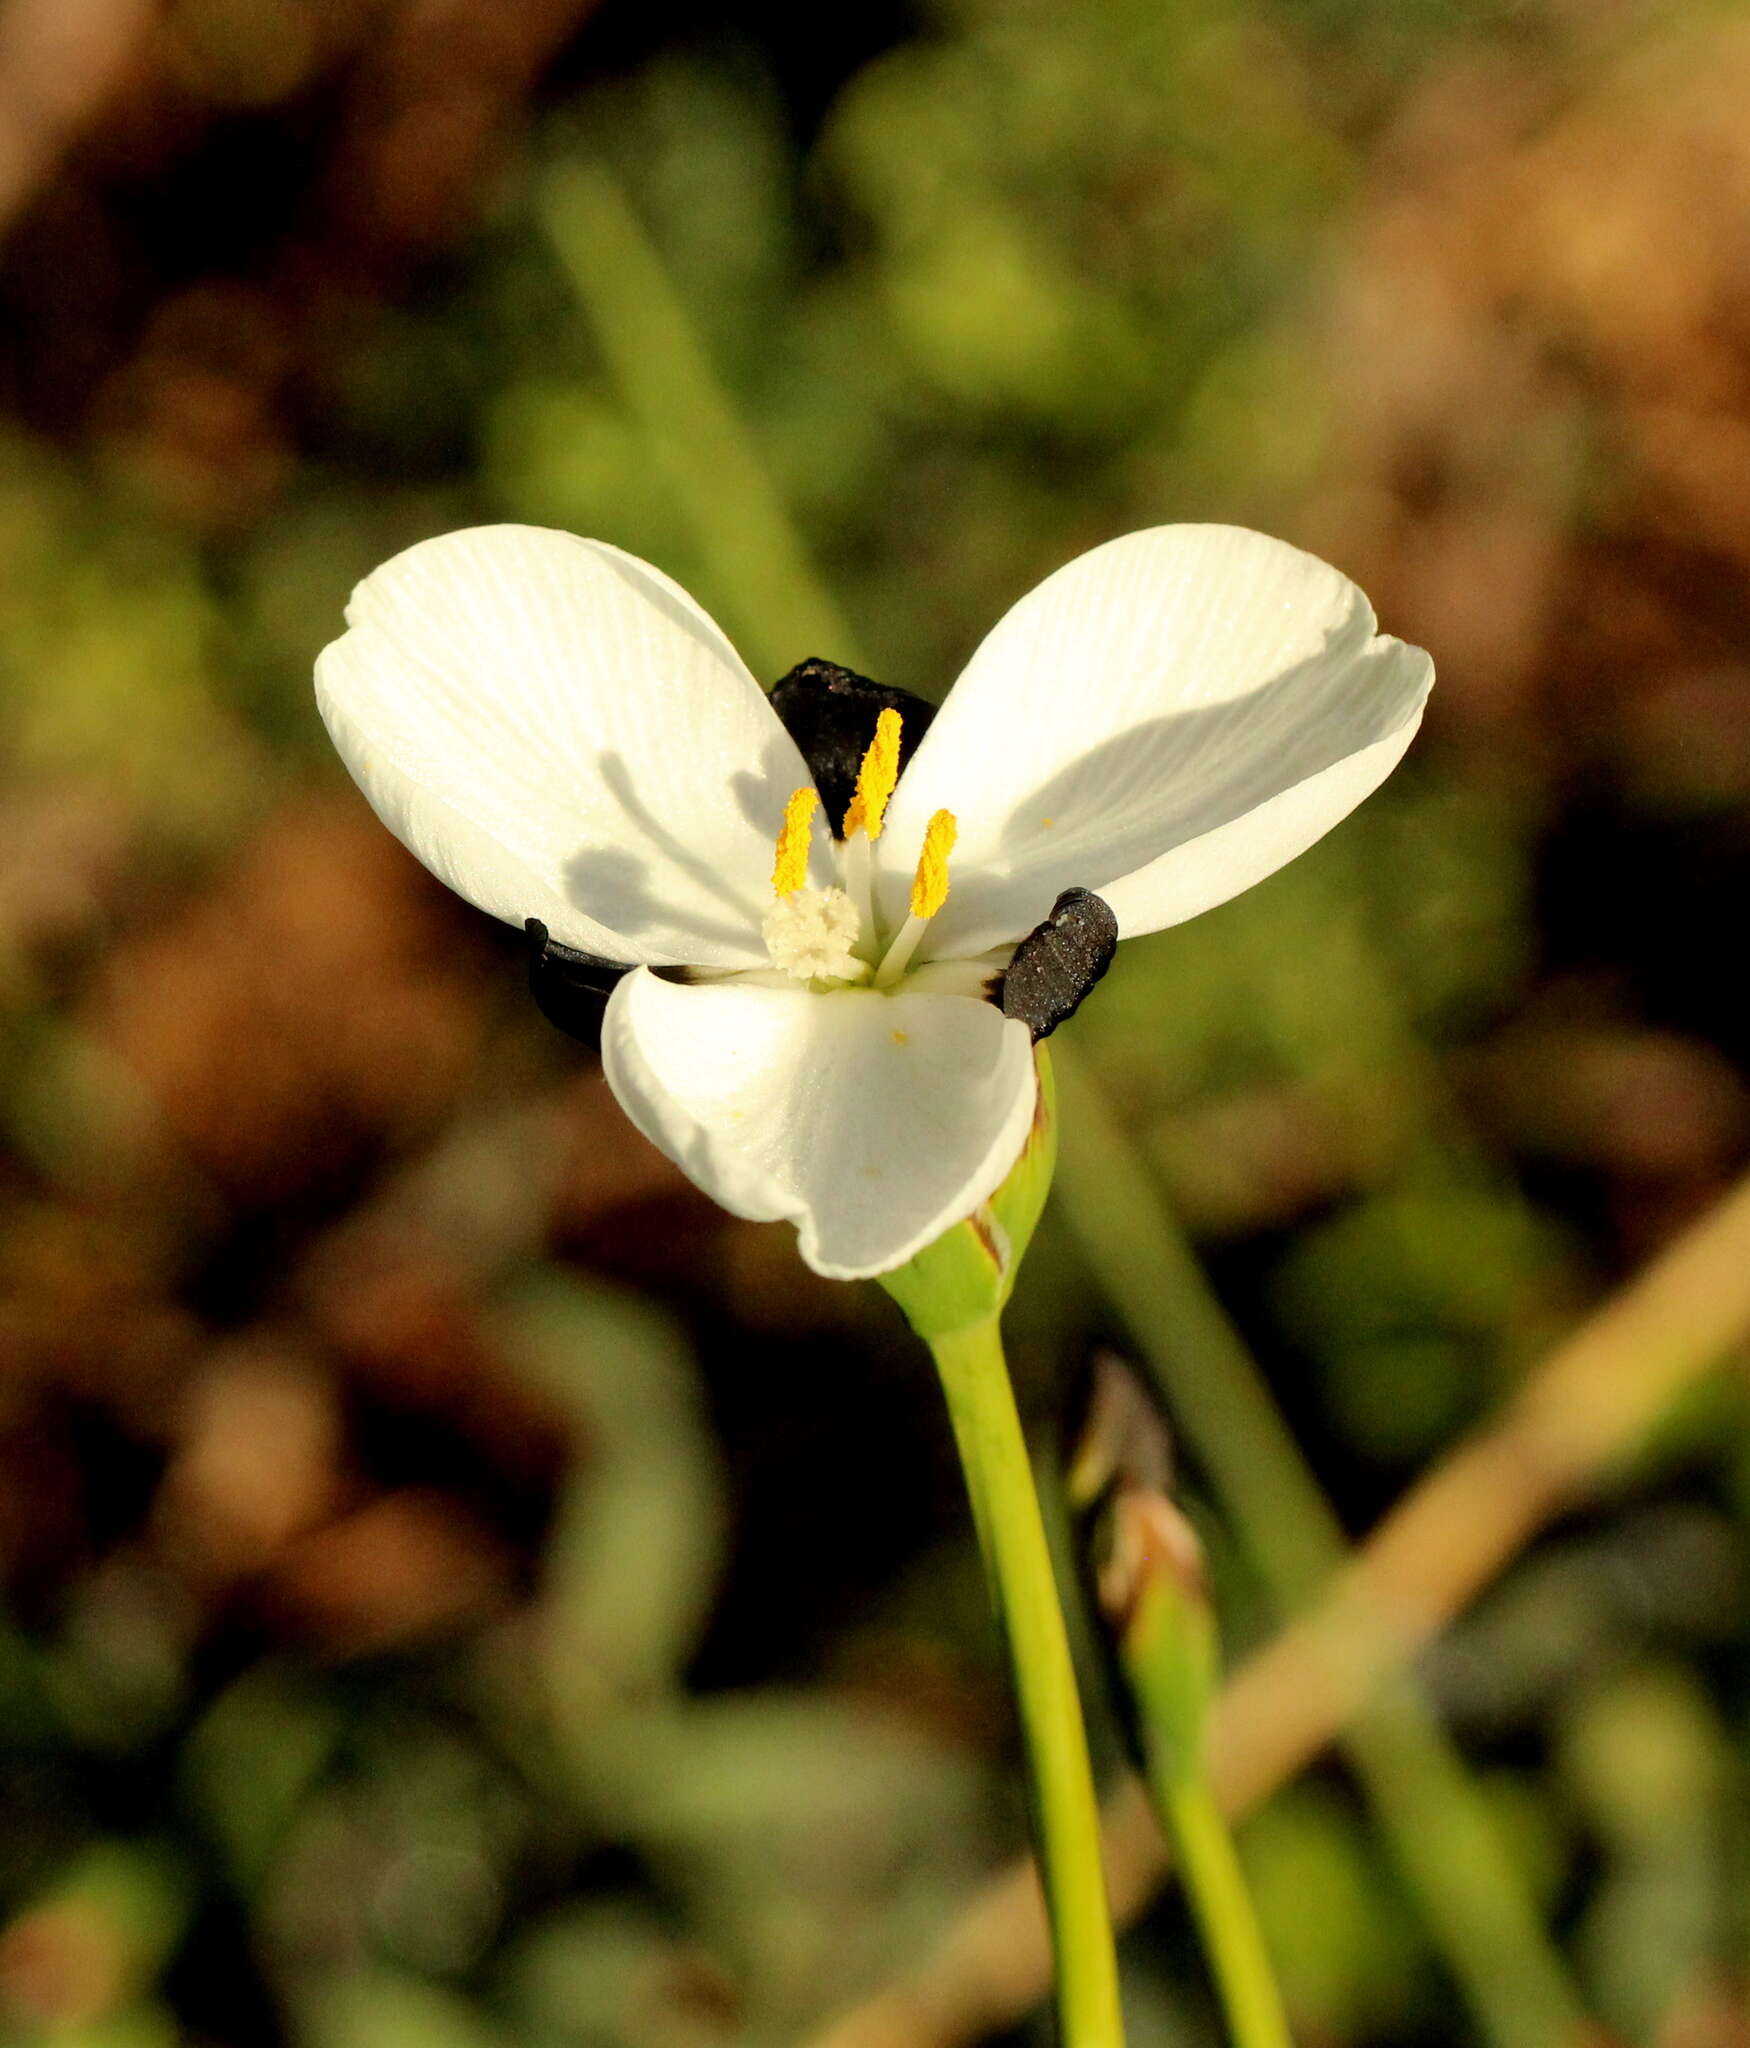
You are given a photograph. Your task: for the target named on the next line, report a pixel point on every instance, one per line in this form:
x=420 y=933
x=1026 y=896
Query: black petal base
x=571 y=989
x=830 y=713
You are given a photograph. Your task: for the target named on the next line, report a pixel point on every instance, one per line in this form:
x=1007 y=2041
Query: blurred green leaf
x=633 y=1558
x=86 y=1948
x=251 y=1761
x=382 y=2008
x=612 y=1976
x=1343 y=1946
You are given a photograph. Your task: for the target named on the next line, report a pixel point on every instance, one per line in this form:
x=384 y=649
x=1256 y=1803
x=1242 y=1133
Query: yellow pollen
x=929 y=890
x=875 y=779
x=790 y=869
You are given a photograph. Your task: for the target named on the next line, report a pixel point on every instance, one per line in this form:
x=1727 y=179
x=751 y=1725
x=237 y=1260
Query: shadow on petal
x=636 y=893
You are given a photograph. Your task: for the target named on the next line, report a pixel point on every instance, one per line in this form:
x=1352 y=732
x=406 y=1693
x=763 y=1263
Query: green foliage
x=1335 y=1925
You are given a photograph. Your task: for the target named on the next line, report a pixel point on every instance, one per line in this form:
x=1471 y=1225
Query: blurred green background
x=461 y=1589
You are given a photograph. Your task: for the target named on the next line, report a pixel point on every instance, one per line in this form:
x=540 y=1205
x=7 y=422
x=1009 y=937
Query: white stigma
x=810 y=933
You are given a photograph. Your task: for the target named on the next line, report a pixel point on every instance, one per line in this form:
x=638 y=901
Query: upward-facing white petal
x=872 y=1122
x=1165 y=720
x=558 y=731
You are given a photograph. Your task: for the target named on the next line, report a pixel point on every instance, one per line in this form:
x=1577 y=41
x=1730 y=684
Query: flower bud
x=1146 y=1567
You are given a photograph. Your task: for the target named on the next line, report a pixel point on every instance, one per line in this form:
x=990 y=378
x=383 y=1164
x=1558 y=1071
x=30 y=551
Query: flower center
x=811 y=934
x=832 y=935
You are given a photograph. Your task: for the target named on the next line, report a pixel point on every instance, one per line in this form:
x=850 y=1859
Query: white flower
x=561 y=734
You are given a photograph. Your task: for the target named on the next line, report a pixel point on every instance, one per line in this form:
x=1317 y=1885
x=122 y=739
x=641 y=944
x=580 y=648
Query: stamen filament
x=790 y=869
x=876 y=779
x=897 y=958
x=860 y=881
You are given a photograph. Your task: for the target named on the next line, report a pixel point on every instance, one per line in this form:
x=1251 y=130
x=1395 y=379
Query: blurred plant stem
x=781 y=609
x=1066 y=1819
x=1476 y=1904
x=1446 y=1843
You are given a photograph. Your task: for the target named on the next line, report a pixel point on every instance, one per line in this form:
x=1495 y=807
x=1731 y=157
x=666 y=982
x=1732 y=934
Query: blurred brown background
x=462 y=1590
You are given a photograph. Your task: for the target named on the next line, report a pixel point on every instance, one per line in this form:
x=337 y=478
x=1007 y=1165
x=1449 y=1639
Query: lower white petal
x=872 y=1122
x=1191 y=691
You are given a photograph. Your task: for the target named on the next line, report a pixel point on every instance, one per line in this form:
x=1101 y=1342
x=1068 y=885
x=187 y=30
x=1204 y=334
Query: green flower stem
x=1017 y=1558
x=1446 y=1843
x=1232 y=1939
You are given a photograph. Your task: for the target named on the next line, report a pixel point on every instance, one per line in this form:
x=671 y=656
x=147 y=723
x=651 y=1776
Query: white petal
x=872 y=1122
x=1166 y=720
x=558 y=731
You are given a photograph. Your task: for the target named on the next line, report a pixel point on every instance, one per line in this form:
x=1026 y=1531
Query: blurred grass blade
x=758 y=567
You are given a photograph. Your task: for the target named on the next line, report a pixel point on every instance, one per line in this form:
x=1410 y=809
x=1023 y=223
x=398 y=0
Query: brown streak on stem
x=982 y=1225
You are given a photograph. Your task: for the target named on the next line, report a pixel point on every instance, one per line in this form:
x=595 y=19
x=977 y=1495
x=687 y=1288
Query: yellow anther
x=875 y=779
x=929 y=890
x=790 y=869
